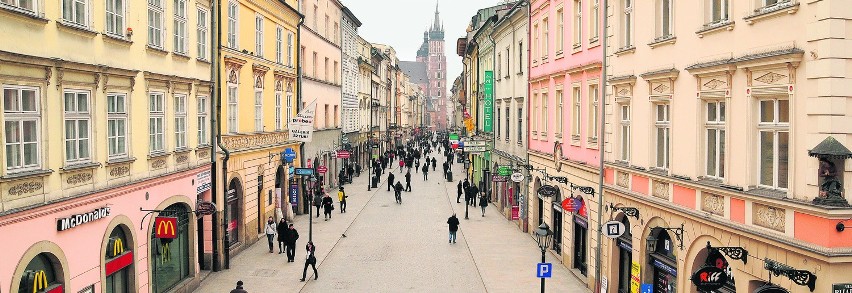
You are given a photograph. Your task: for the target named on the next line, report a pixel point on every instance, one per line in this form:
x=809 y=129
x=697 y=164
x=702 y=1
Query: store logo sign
x=36 y=281
x=166 y=227
x=709 y=278
x=76 y=220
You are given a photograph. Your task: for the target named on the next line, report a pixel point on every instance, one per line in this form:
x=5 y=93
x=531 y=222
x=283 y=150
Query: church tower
x=431 y=52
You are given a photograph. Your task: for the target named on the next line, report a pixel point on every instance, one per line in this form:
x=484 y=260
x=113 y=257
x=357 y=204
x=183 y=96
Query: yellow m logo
x=117 y=247
x=166 y=227
x=39 y=281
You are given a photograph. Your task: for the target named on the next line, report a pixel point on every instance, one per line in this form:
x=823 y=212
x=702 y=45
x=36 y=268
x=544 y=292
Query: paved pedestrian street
x=390 y=247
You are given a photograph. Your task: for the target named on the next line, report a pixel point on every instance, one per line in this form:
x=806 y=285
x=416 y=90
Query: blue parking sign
x=543 y=270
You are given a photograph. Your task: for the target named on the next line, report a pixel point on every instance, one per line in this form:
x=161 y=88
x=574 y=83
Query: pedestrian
x=425 y=172
x=398 y=192
x=483 y=203
x=358 y=169
x=447 y=168
x=434 y=163
x=317 y=203
x=290 y=239
x=408 y=181
x=459 y=187
x=341 y=177
x=270 y=232
x=239 y=288
x=341 y=197
x=474 y=191
x=401 y=164
x=328 y=206
x=453 y=222
x=311 y=260
x=416 y=165
x=390 y=180
x=282 y=235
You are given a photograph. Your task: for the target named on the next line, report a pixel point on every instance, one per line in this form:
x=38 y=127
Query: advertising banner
x=489 y=101
x=302 y=126
x=635 y=269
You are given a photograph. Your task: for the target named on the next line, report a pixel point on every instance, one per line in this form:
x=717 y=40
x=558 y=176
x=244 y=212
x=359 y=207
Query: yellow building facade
x=258 y=96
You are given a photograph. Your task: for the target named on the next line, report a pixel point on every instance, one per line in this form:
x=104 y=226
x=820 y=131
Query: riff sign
x=709 y=278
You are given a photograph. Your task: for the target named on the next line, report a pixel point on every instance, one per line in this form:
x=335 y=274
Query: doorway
x=580 y=236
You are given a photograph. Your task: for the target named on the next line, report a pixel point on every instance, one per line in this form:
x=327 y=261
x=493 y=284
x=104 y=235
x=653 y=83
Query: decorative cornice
x=668 y=73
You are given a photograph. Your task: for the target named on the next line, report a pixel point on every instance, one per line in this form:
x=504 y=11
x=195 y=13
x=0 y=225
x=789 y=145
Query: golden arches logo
x=39 y=281
x=166 y=227
x=117 y=247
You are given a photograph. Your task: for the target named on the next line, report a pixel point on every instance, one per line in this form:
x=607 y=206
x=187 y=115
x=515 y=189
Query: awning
x=830 y=148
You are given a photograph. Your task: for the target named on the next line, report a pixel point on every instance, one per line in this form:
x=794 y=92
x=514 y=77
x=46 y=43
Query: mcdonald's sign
x=166 y=227
x=37 y=282
x=117 y=257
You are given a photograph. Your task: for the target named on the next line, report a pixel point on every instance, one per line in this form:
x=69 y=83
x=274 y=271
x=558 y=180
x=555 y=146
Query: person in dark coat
x=474 y=191
x=311 y=260
x=397 y=190
x=328 y=206
x=282 y=235
x=426 y=172
x=446 y=168
x=416 y=165
x=453 y=223
x=290 y=239
x=239 y=288
x=408 y=181
x=483 y=203
x=317 y=202
x=434 y=163
x=459 y=187
x=391 y=177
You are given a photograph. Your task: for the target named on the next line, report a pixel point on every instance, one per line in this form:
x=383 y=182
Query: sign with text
x=294 y=194
x=614 y=229
x=289 y=155
x=517 y=177
x=504 y=171
x=709 y=278
x=498 y=178
x=322 y=169
x=202 y=181
x=488 y=107
x=635 y=269
x=342 y=154
x=304 y=171
x=302 y=126
x=841 y=288
x=63 y=224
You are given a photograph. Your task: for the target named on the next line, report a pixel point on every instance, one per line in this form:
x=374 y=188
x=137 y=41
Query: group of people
x=322 y=200
x=287 y=235
x=471 y=193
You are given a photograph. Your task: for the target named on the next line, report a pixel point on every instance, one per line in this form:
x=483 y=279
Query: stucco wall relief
x=119 y=171
x=769 y=217
x=622 y=179
x=77 y=179
x=24 y=188
x=712 y=203
x=660 y=189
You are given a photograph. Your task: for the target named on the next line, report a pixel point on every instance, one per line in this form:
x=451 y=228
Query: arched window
x=118 y=262
x=42 y=275
x=170 y=257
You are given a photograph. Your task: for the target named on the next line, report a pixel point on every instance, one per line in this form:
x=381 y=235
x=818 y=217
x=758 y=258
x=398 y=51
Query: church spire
x=436 y=25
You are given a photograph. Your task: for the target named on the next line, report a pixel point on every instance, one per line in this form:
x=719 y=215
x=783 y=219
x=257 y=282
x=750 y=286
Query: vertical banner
x=489 y=101
x=302 y=126
x=635 y=270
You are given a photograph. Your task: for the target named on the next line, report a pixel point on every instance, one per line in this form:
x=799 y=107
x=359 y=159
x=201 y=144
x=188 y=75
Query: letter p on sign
x=544 y=270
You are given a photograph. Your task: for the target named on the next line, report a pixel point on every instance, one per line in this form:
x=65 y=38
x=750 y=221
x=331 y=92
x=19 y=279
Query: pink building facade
x=564 y=125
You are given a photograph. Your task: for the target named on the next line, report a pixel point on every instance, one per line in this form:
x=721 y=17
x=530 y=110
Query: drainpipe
x=601 y=145
x=216 y=74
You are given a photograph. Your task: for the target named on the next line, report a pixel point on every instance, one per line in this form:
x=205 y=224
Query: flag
x=302 y=126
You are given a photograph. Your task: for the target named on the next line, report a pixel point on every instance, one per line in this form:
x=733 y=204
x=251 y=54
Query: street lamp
x=543 y=236
x=466 y=199
x=310 y=212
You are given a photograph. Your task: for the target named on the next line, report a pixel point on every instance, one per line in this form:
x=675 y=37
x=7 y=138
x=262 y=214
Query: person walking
x=401 y=164
x=282 y=235
x=397 y=190
x=459 y=187
x=434 y=163
x=270 y=232
x=408 y=181
x=317 y=202
x=328 y=206
x=474 y=191
x=483 y=203
x=447 y=168
x=425 y=172
x=239 y=288
x=453 y=223
x=311 y=260
x=416 y=165
x=391 y=177
x=290 y=239
x=341 y=197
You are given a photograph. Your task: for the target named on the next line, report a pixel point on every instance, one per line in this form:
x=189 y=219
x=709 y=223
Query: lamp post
x=310 y=212
x=466 y=199
x=542 y=236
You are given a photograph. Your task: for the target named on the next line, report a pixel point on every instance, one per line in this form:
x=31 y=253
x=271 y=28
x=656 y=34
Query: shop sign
x=582 y=222
x=291 y=170
x=294 y=194
x=499 y=178
x=647 y=288
x=841 y=288
x=614 y=229
x=202 y=181
x=322 y=169
x=504 y=171
x=488 y=105
x=304 y=171
x=635 y=269
x=709 y=278
x=517 y=177
x=205 y=208
x=547 y=190
x=770 y=288
x=166 y=227
x=77 y=220
x=343 y=154
x=663 y=266
x=289 y=155
x=454 y=136
x=516 y=212
x=36 y=281
x=625 y=245
x=568 y=204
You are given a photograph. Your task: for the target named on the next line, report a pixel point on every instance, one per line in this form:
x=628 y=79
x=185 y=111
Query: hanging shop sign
x=770 y=288
x=322 y=169
x=499 y=178
x=304 y=171
x=80 y=219
x=841 y=288
x=488 y=107
x=504 y=171
x=517 y=177
x=166 y=227
x=547 y=190
x=289 y=155
x=205 y=208
x=709 y=278
x=202 y=182
x=581 y=221
x=635 y=270
x=302 y=126
x=294 y=194
x=343 y=154
x=614 y=229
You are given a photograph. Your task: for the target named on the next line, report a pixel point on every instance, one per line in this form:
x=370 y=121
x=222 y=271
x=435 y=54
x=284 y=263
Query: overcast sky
x=401 y=23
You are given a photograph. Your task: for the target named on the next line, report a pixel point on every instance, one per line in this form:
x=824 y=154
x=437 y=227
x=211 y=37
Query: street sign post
x=544 y=270
x=304 y=171
x=289 y=155
x=614 y=229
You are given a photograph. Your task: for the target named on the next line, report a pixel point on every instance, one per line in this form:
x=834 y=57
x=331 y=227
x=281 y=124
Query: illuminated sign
x=166 y=227
x=77 y=220
x=119 y=258
x=36 y=282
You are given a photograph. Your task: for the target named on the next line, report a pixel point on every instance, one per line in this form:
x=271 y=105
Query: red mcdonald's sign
x=165 y=227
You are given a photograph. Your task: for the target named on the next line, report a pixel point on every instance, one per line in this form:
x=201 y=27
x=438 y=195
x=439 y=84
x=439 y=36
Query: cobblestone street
x=390 y=247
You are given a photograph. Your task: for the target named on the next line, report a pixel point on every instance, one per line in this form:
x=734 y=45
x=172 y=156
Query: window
x=499 y=67
x=77 y=126
x=520 y=57
x=544 y=115
x=279 y=36
x=289 y=101
x=258 y=110
x=28 y=5
x=664 y=18
x=315 y=65
x=327 y=27
x=545 y=49
x=715 y=139
x=536 y=44
x=497 y=118
x=180 y=26
x=165 y=275
x=232 y=108
x=559 y=122
x=508 y=124
x=75 y=11
x=627 y=24
x=117 y=125
x=336 y=117
x=578 y=23
x=326 y=70
x=156 y=119
x=520 y=126
x=326 y=122
x=718 y=11
x=594 y=21
x=575 y=113
x=774 y=139
x=278 y=110
x=625 y=133
x=290 y=49
x=47 y=265
x=22 y=132
x=180 y=122
x=233 y=24
x=560 y=30
x=202 y=34
x=508 y=62
x=155 y=23
x=316 y=17
x=115 y=17
x=118 y=268
x=302 y=59
x=594 y=109
x=337 y=75
x=535 y=112
x=258 y=36
x=203 y=121
x=662 y=124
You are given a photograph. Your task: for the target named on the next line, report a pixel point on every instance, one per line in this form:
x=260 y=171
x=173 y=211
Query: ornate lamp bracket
x=584 y=189
x=629 y=211
x=734 y=252
x=800 y=277
x=678 y=234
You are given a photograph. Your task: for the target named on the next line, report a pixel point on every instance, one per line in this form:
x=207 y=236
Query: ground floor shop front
x=109 y=241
